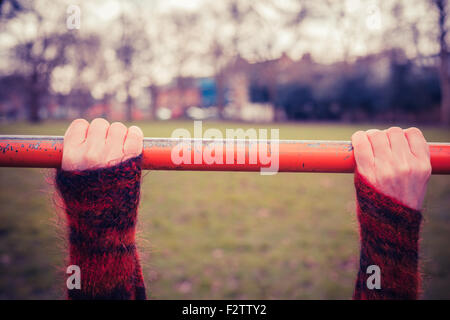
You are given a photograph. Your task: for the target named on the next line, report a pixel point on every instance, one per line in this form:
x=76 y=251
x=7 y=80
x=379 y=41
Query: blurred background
x=262 y=60
x=313 y=69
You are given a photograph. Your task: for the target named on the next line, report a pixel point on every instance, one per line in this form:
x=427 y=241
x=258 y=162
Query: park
x=207 y=235
x=234 y=149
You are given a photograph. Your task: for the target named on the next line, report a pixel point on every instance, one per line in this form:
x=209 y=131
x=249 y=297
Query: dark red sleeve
x=101 y=207
x=389 y=233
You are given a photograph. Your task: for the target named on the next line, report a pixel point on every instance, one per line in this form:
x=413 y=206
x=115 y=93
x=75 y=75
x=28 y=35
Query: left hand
x=99 y=145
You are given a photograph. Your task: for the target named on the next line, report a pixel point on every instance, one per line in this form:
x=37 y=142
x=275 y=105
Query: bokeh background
x=313 y=69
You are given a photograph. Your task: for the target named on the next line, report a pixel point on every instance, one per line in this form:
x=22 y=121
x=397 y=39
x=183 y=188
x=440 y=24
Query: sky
x=323 y=37
x=326 y=37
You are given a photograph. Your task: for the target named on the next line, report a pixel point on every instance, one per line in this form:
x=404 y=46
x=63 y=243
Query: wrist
x=375 y=206
x=102 y=204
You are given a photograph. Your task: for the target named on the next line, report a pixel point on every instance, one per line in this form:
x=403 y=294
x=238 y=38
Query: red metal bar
x=294 y=155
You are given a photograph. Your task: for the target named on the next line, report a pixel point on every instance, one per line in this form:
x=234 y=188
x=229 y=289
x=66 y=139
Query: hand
x=395 y=161
x=99 y=145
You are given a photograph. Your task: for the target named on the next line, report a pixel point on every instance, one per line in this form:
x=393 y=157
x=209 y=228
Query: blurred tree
x=225 y=19
x=36 y=53
x=444 y=55
x=411 y=30
x=37 y=59
x=183 y=41
x=126 y=52
x=411 y=91
x=297 y=101
x=242 y=29
x=218 y=53
x=12 y=7
x=134 y=51
x=89 y=69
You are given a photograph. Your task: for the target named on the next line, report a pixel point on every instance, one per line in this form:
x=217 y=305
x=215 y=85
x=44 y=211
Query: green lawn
x=219 y=235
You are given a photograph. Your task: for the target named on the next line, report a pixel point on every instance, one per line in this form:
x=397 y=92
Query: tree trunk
x=129 y=111
x=445 y=89
x=154 y=96
x=106 y=106
x=34 y=103
x=220 y=93
x=33 y=115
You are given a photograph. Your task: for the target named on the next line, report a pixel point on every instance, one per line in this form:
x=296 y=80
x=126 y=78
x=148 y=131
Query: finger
x=380 y=144
x=134 y=142
x=76 y=133
x=417 y=143
x=96 y=135
x=115 y=141
x=363 y=153
x=399 y=145
x=95 y=143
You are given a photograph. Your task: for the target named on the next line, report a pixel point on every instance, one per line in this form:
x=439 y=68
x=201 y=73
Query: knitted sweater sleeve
x=389 y=233
x=101 y=208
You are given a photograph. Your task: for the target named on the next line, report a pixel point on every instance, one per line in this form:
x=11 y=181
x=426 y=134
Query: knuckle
x=80 y=121
x=117 y=129
x=137 y=130
x=372 y=132
x=375 y=134
x=76 y=128
x=118 y=125
x=414 y=131
x=100 y=121
x=393 y=130
x=356 y=137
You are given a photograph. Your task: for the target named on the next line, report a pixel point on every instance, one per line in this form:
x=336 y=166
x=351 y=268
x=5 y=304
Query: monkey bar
x=294 y=155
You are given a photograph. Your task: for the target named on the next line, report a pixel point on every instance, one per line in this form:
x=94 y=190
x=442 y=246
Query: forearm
x=101 y=207
x=389 y=233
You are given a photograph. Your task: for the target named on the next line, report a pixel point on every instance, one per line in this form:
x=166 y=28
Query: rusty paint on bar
x=294 y=155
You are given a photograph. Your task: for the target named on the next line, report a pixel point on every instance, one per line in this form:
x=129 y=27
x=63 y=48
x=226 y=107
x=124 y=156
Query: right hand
x=395 y=161
x=99 y=144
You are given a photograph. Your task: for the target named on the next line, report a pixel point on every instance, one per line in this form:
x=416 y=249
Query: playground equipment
x=294 y=155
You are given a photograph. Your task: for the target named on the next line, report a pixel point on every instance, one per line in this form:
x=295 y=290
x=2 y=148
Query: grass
x=205 y=235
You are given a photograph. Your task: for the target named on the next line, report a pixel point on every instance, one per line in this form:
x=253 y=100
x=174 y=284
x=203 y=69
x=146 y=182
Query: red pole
x=294 y=155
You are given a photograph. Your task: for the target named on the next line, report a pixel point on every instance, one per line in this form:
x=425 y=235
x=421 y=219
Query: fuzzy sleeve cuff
x=101 y=207
x=389 y=233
